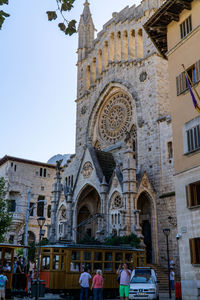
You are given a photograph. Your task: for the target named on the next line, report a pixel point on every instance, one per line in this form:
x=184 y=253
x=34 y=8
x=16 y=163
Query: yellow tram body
x=61 y=265
x=7 y=252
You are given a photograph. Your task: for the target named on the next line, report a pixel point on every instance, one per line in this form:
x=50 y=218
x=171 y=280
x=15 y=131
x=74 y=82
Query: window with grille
x=195 y=250
x=186 y=27
x=193 y=194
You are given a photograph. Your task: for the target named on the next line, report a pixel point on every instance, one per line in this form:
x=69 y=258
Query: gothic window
x=125 y=46
x=105 y=54
x=40 y=206
x=118 y=46
x=132 y=44
x=99 y=62
x=140 y=43
x=112 y=47
x=115 y=117
x=93 y=73
x=87 y=77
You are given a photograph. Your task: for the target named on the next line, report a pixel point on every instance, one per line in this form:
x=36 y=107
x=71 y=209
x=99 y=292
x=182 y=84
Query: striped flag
x=192 y=94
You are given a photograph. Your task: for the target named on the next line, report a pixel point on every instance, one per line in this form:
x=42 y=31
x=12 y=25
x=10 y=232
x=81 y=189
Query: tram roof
x=2 y=245
x=84 y=246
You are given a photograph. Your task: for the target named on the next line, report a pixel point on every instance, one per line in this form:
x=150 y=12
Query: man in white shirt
x=84 y=283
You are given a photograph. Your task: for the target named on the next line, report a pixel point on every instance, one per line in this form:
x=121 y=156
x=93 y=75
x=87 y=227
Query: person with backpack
x=3 y=280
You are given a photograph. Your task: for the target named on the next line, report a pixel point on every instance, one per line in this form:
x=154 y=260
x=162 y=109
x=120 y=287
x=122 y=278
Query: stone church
x=120 y=180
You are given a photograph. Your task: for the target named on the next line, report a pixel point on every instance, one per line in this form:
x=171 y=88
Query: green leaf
x=71 y=28
x=62 y=26
x=51 y=15
x=66 y=6
x=2 y=2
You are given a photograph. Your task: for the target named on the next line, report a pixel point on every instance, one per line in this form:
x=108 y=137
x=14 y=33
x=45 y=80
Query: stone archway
x=144 y=204
x=87 y=212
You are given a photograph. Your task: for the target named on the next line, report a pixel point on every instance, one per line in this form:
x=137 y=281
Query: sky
x=38 y=77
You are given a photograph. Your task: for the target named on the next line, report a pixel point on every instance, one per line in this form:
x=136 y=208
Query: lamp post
x=166 y=232
x=41 y=221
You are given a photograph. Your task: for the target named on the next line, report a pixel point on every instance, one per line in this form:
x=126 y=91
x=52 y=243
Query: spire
x=86 y=28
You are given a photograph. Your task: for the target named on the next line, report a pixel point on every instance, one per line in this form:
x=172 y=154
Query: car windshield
x=142 y=279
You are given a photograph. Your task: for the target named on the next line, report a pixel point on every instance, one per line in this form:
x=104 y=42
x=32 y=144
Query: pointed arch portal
x=144 y=204
x=88 y=207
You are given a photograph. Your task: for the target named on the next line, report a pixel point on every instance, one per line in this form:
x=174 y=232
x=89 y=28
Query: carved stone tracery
x=87 y=169
x=115 y=118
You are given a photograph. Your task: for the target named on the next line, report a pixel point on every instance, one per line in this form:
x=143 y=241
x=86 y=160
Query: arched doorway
x=87 y=212
x=145 y=207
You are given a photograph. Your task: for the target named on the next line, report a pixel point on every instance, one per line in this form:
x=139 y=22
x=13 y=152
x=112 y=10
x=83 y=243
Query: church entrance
x=88 y=210
x=144 y=205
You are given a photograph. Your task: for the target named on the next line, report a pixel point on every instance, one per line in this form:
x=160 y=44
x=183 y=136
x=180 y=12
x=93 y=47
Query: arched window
x=99 y=62
x=105 y=55
x=40 y=206
x=125 y=46
x=93 y=71
x=118 y=46
x=140 y=43
x=132 y=44
x=87 y=77
x=112 y=47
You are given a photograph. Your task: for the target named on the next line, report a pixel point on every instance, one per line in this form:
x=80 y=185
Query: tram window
x=56 y=250
x=108 y=256
x=46 y=263
x=98 y=256
x=75 y=267
x=142 y=261
x=75 y=255
x=55 y=262
x=108 y=267
x=98 y=266
x=62 y=263
x=0 y=253
x=128 y=257
x=87 y=255
x=8 y=254
x=46 y=250
x=87 y=266
x=63 y=251
x=119 y=256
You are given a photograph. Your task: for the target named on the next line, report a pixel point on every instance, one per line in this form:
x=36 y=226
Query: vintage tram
x=61 y=265
x=7 y=253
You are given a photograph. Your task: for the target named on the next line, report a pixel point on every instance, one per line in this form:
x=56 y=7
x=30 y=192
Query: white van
x=143 y=284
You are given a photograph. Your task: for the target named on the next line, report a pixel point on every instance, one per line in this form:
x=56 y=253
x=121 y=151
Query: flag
x=192 y=94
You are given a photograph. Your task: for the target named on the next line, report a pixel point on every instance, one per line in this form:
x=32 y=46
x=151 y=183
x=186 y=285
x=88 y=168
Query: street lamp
x=166 y=232
x=41 y=221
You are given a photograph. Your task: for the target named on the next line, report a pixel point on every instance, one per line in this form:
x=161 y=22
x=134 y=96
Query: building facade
x=180 y=44
x=22 y=175
x=120 y=180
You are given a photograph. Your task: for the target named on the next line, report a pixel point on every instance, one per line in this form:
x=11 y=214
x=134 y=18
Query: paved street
x=163 y=296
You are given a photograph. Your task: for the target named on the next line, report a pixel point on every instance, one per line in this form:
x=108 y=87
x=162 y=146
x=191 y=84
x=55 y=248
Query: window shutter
x=192 y=251
x=188 y=195
x=179 y=84
x=197 y=68
x=184 y=83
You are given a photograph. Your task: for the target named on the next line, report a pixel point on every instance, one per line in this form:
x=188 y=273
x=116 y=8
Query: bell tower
x=85 y=32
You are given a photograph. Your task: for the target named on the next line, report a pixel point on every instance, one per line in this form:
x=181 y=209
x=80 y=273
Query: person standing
x=97 y=285
x=3 y=280
x=172 y=279
x=125 y=276
x=84 y=283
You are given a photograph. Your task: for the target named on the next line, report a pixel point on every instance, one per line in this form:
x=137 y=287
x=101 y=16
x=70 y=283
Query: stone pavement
x=163 y=296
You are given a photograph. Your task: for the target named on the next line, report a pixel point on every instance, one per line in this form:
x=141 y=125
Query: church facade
x=120 y=180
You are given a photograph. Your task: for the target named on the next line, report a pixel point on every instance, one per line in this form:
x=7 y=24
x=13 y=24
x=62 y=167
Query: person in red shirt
x=97 y=285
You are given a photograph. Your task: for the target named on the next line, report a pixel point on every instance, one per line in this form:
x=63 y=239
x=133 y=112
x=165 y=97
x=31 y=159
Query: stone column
x=104 y=208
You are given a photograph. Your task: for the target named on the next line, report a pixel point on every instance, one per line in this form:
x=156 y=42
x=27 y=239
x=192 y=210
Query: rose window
x=115 y=118
x=117 y=202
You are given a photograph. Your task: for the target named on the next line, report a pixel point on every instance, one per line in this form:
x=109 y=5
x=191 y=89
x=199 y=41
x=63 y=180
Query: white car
x=143 y=285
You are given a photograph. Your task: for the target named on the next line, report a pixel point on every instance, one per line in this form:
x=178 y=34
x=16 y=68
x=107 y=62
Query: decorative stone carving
x=117 y=202
x=87 y=169
x=143 y=76
x=83 y=110
x=145 y=182
x=115 y=182
x=115 y=118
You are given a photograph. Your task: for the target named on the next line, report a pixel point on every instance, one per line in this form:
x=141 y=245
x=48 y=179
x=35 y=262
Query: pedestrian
x=84 y=283
x=172 y=279
x=97 y=285
x=125 y=275
x=3 y=280
x=171 y=263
